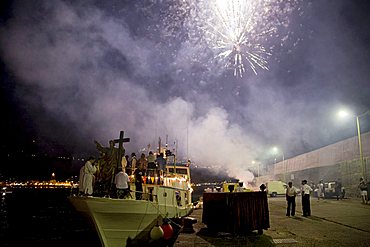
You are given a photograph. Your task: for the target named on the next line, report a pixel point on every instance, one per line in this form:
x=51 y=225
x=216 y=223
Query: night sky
x=77 y=71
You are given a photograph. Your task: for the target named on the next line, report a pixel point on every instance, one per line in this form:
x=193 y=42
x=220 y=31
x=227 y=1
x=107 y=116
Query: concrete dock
x=333 y=223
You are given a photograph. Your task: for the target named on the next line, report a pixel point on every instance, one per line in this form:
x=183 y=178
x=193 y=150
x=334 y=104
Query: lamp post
x=343 y=113
x=276 y=151
x=360 y=147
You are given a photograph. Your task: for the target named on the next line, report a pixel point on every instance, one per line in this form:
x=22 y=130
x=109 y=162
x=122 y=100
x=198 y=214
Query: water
x=43 y=217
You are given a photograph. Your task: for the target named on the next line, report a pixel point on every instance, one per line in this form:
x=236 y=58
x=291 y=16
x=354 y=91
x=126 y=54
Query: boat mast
x=187 y=131
x=175 y=156
x=159 y=145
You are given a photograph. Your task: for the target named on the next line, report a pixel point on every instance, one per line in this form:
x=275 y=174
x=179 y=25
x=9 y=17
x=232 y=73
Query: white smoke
x=97 y=74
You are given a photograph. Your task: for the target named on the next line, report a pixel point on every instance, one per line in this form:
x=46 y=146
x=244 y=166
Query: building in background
x=338 y=161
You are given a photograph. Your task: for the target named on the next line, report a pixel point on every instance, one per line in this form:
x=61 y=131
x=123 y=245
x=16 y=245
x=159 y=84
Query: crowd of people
x=322 y=191
x=143 y=170
x=290 y=194
x=106 y=172
x=306 y=191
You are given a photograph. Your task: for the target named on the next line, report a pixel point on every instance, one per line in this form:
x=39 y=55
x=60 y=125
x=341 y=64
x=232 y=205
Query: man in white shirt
x=121 y=181
x=81 y=188
x=320 y=190
x=363 y=189
x=291 y=193
x=306 y=190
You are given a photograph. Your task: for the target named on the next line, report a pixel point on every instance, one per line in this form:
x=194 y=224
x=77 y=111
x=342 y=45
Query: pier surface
x=333 y=223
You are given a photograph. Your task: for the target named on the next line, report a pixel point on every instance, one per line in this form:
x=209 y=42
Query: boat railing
x=150 y=195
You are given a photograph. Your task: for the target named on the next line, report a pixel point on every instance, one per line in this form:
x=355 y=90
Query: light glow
x=343 y=114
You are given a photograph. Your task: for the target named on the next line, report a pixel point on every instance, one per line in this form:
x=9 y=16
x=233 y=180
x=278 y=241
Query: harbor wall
x=338 y=161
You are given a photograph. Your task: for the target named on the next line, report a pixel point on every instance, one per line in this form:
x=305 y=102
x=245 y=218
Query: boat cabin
x=174 y=186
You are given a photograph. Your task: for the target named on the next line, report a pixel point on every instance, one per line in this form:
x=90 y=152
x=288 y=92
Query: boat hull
x=116 y=220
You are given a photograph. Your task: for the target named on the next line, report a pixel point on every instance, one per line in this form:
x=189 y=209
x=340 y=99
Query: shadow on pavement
x=228 y=239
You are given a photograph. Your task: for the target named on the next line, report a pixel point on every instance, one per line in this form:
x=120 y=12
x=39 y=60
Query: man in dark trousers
x=138 y=174
x=338 y=189
x=306 y=190
x=290 y=194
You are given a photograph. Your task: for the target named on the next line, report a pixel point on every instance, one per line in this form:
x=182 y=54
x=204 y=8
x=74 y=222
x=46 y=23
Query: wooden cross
x=120 y=142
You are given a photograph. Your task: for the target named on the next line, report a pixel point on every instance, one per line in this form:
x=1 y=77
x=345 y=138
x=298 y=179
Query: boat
x=119 y=221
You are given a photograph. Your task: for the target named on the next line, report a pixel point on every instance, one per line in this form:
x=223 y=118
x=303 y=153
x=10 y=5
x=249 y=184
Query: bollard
x=188 y=224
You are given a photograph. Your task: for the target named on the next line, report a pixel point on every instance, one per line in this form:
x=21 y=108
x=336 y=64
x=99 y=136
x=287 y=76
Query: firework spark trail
x=238 y=30
x=238 y=23
x=240 y=33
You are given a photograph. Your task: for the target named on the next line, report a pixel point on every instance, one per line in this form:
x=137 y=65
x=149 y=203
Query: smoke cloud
x=98 y=72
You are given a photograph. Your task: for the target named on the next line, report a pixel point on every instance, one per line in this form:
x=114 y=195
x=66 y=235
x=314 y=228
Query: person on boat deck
x=128 y=166
x=152 y=167
x=133 y=162
x=161 y=162
x=81 y=188
x=123 y=164
x=89 y=170
x=121 y=182
x=142 y=163
x=138 y=182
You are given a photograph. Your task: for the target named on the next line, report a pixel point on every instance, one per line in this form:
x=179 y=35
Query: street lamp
x=276 y=151
x=258 y=167
x=343 y=114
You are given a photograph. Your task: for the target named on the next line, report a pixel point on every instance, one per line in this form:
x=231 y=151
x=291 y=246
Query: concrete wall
x=336 y=161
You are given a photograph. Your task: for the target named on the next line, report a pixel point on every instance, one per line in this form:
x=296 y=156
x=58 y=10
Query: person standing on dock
x=306 y=190
x=89 y=177
x=291 y=193
x=338 y=189
x=363 y=190
x=262 y=187
x=320 y=190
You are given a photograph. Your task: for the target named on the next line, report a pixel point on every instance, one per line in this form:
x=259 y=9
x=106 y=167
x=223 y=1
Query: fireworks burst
x=239 y=30
x=232 y=28
x=240 y=33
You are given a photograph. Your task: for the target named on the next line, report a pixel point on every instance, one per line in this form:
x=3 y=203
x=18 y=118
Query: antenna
x=187 y=131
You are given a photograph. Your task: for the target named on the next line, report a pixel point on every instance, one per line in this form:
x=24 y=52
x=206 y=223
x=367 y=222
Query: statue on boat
x=106 y=167
x=108 y=164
